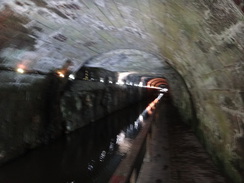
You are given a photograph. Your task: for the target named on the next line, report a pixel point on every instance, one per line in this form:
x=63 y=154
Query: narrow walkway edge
x=174 y=153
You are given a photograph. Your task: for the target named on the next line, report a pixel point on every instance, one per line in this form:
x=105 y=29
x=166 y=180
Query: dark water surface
x=88 y=155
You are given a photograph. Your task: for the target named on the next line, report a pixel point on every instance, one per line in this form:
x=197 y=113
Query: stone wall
x=88 y=101
x=30 y=108
x=26 y=117
x=205 y=45
x=240 y=3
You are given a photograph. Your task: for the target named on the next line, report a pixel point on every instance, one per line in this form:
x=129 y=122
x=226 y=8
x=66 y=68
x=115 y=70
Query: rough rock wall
x=240 y=3
x=27 y=117
x=206 y=48
x=88 y=101
x=31 y=113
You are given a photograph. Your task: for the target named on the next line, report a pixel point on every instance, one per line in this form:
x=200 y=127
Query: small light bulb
x=60 y=74
x=20 y=70
x=72 y=76
x=101 y=80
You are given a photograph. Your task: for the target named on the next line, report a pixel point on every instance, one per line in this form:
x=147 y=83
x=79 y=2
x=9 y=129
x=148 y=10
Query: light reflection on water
x=89 y=155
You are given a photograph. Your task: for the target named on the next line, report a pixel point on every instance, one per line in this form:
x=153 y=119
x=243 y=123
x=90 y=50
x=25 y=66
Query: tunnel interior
x=49 y=48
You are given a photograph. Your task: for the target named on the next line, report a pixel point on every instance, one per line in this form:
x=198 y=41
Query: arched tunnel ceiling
x=43 y=34
x=128 y=60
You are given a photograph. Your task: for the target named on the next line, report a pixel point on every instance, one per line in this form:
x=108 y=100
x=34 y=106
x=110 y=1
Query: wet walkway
x=174 y=153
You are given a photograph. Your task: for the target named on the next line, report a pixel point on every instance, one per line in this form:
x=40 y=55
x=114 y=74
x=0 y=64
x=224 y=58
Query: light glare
x=101 y=80
x=20 y=70
x=71 y=76
x=60 y=74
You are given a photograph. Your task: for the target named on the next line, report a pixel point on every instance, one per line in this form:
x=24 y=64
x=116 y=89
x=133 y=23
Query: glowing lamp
x=60 y=74
x=20 y=70
x=71 y=76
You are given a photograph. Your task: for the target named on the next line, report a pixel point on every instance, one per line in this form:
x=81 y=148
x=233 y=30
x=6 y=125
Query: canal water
x=88 y=155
